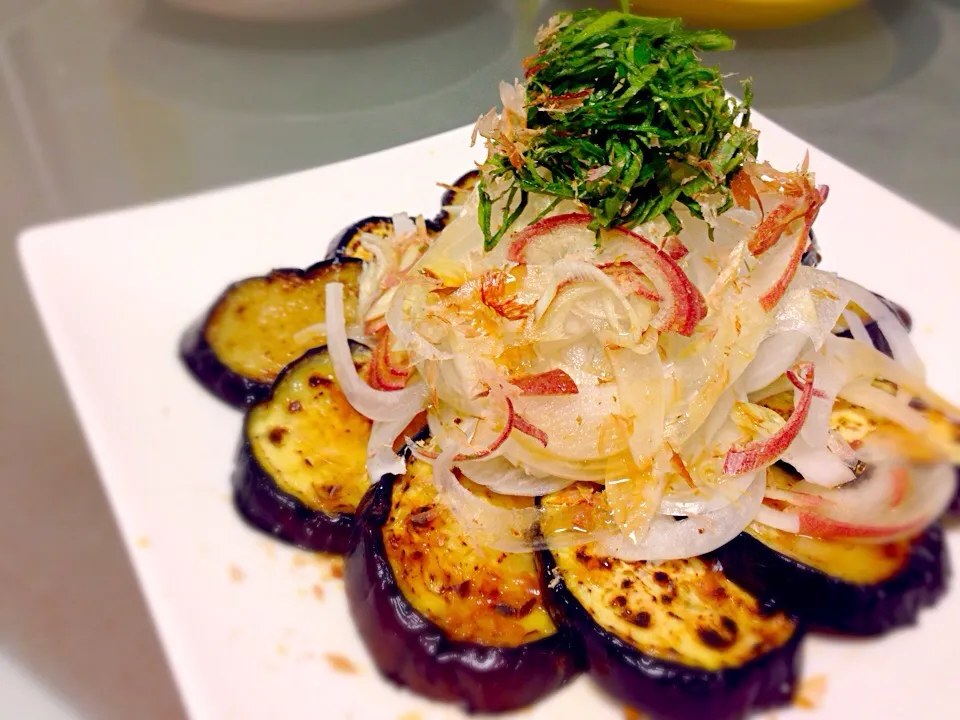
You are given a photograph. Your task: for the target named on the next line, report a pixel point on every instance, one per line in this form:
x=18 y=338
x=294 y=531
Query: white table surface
x=108 y=103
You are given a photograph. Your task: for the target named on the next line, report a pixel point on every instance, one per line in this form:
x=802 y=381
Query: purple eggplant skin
x=265 y=506
x=209 y=369
x=953 y=511
x=812 y=257
x=666 y=690
x=413 y=652
x=202 y=362
x=832 y=605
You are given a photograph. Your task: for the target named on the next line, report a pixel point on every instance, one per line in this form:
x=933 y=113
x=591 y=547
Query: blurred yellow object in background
x=742 y=14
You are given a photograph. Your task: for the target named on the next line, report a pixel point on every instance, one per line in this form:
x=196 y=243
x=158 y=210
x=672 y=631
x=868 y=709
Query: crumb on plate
x=237 y=574
x=811 y=691
x=341 y=664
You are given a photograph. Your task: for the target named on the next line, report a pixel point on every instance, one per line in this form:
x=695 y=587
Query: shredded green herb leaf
x=620 y=115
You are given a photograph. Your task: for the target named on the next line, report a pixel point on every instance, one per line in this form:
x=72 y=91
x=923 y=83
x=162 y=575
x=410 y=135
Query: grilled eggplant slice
x=456 y=196
x=676 y=640
x=301 y=470
x=443 y=617
x=841 y=586
x=260 y=324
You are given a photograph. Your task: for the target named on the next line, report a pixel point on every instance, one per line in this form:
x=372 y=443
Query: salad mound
x=670 y=357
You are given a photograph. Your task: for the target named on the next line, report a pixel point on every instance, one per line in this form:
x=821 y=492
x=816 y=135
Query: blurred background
x=109 y=103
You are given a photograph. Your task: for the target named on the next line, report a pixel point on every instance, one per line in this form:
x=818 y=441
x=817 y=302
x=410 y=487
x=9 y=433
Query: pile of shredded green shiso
x=622 y=116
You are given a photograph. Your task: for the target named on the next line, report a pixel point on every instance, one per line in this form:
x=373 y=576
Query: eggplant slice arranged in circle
x=443 y=617
x=261 y=324
x=838 y=585
x=301 y=470
x=676 y=640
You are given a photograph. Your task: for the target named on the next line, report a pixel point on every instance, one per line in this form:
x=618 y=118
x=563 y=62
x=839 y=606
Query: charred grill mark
x=527 y=607
x=592 y=562
x=715 y=639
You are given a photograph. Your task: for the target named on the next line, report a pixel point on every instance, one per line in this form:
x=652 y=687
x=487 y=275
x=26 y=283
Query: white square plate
x=251 y=627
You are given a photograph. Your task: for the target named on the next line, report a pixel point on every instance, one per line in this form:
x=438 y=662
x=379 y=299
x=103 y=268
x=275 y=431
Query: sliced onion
x=869 y=363
x=403 y=224
x=905 y=512
x=578 y=271
x=526 y=453
x=761 y=453
x=553 y=238
x=375 y=404
x=522 y=425
x=381 y=457
x=403 y=328
x=486 y=450
x=573 y=423
x=503 y=477
x=892 y=500
x=817 y=465
x=886 y=405
x=786 y=521
x=486 y=524
x=669 y=539
x=772 y=295
x=812 y=305
x=889 y=324
x=774 y=356
x=831 y=377
x=640 y=386
x=552 y=382
x=808 y=312
x=681 y=304
x=635 y=497
x=857 y=329
x=705 y=500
